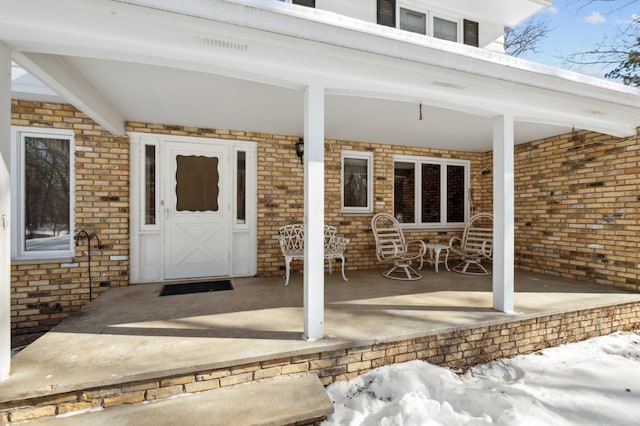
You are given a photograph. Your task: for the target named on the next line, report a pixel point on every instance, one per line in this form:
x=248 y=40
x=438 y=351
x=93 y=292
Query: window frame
x=417 y=161
x=430 y=15
x=18 y=208
x=358 y=155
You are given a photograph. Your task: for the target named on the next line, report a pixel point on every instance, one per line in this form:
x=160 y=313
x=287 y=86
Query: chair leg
x=343 y=262
x=287 y=268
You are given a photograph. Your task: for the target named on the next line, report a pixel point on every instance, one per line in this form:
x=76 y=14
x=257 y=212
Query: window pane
x=456 y=202
x=404 y=185
x=431 y=193
x=413 y=21
x=150 y=185
x=197 y=183
x=355 y=182
x=241 y=214
x=446 y=30
x=47 y=189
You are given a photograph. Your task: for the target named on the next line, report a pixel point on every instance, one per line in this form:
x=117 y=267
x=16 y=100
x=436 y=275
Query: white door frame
x=146 y=239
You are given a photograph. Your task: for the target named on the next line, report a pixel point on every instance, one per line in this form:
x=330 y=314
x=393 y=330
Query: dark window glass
x=308 y=3
x=47 y=190
x=355 y=182
x=431 y=193
x=456 y=202
x=404 y=190
x=471 y=33
x=150 y=185
x=197 y=181
x=387 y=13
x=241 y=214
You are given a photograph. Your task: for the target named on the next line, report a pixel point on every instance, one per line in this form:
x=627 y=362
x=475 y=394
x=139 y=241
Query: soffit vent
x=447 y=85
x=222 y=44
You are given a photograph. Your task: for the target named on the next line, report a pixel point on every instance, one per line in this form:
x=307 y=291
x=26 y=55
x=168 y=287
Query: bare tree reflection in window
x=47 y=189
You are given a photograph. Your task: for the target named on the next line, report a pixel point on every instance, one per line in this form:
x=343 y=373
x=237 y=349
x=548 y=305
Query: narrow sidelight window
x=241 y=189
x=149 y=185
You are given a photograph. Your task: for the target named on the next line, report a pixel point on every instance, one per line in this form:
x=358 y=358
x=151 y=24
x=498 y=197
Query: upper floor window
x=357 y=182
x=308 y=3
x=42 y=193
x=430 y=192
x=423 y=21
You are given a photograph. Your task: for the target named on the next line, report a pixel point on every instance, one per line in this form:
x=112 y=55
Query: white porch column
x=5 y=209
x=314 y=212
x=503 y=215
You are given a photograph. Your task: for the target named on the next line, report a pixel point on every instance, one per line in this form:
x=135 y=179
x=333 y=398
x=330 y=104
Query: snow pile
x=594 y=382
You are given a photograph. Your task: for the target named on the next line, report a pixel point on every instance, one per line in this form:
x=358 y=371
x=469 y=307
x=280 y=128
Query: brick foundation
x=460 y=349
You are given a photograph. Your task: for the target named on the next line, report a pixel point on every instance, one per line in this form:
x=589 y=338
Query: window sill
x=40 y=260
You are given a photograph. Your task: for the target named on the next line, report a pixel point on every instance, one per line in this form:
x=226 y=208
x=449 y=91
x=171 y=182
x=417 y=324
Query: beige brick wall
x=576 y=207
x=42 y=294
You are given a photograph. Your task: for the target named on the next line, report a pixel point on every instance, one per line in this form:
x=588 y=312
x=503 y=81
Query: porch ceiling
x=238 y=65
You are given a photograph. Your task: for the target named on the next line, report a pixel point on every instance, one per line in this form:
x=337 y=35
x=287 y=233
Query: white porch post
x=503 y=215
x=5 y=208
x=314 y=213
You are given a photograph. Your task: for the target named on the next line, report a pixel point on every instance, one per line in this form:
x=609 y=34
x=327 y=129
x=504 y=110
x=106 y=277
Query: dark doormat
x=201 y=287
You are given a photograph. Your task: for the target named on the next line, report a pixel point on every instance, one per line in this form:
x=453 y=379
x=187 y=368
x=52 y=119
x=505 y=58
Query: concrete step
x=283 y=400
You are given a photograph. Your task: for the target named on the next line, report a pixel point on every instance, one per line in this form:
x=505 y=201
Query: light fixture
x=300 y=149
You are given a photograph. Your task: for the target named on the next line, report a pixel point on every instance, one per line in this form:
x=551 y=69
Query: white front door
x=196 y=205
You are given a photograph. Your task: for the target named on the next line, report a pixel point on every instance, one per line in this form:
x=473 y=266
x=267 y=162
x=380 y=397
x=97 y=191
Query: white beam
x=61 y=78
x=5 y=209
x=314 y=212
x=503 y=215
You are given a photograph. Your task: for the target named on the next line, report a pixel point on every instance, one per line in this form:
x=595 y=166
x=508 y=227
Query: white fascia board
x=62 y=79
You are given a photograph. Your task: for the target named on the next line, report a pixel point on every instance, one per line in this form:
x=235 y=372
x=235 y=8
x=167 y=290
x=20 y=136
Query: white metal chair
x=391 y=247
x=475 y=245
x=291 y=239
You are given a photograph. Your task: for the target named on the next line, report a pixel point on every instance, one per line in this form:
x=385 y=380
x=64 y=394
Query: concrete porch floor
x=130 y=333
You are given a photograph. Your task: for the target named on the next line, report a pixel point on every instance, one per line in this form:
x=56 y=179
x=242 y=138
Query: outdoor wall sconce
x=300 y=149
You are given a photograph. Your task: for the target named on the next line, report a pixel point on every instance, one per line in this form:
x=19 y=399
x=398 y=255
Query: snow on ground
x=594 y=382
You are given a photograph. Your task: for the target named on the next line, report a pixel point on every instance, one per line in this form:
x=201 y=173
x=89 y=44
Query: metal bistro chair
x=391 y=247
x=291 y=239
x=475 y=245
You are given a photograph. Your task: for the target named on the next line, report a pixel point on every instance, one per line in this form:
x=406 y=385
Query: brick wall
x=577 y=208
x=42 y=294
x=577 y=202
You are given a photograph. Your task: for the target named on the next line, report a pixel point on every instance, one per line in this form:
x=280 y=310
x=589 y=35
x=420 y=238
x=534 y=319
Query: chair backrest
x=292 y=238
x=478 y=234
x=389 y=237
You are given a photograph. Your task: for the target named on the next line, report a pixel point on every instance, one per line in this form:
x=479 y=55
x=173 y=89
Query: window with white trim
x=42 y=193
x=419 y=19
x=430 y=192
x=357 y=182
